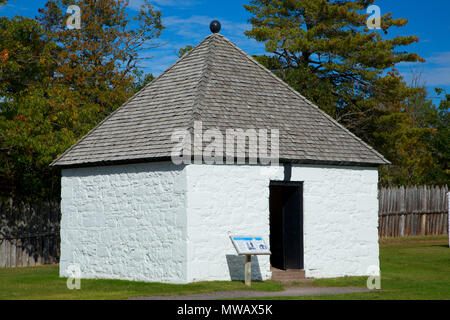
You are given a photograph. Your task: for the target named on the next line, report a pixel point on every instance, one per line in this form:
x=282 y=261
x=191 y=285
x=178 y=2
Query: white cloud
x=191 y=30
x=227 y=25
x=178 y=3
x=159 y=62
x=437 y=77
x=435 y=72
x=174 y=20
x=136 y=4
x=12 y=7
x=440 y=58
x=196 y=28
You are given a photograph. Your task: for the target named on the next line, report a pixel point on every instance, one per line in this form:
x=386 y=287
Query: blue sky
x=187 y=24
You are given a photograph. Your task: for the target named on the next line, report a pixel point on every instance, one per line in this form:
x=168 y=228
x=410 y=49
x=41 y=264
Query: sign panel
x=250 y=245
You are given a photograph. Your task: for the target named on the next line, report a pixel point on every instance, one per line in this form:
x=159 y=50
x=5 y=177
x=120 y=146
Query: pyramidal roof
x=220 y=85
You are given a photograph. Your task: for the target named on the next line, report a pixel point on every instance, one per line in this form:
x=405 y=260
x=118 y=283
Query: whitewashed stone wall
x=222 y=201
x=125 y=222
x=166 y=223
x=340 y=219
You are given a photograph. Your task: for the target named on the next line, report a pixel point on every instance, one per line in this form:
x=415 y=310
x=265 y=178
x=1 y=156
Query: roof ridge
x=328 y=117
x=202 y=83
x=128 y=101
x=199 y=89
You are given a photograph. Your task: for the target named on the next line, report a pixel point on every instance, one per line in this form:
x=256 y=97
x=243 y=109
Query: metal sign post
x=249 y=246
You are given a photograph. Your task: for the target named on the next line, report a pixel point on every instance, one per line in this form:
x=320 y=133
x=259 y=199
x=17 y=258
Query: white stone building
x=129 y=212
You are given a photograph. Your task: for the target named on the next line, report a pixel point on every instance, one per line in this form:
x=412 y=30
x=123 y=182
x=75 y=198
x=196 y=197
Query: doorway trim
x=277 y=183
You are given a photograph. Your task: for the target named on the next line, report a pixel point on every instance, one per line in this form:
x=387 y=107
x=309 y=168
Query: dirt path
x=288 y=292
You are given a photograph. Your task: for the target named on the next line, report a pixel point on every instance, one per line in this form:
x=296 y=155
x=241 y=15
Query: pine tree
x=324 y=49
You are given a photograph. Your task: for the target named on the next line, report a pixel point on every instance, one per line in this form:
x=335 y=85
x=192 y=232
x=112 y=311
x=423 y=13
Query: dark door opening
x=286 y=225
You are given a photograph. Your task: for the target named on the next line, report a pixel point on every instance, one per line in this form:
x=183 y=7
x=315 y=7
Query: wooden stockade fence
x=29 y=233
x=413 y=211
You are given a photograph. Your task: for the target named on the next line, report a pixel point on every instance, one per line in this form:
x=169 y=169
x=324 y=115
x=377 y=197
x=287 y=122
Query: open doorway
x=286 y=225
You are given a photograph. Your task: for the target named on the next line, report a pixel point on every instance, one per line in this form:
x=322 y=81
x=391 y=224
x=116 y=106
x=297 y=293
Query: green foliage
x=25 y=56
x=439 y=120
x=324 y=50
x=28 y=134
x=141 y=80
x=98 y=60
x=330 y=39
x=415 y=136
x=183 y=51
x=57 y=84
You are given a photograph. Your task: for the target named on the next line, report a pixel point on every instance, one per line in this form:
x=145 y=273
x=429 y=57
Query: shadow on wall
x=236 y=267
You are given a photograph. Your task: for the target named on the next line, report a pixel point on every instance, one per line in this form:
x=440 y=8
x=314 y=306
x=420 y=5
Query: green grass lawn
x=44 y=283
x=412 y=268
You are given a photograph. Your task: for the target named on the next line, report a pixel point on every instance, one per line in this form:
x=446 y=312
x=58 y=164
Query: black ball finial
x=215 y=26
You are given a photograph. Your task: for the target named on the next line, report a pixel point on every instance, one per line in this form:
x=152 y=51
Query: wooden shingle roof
x=220 y=85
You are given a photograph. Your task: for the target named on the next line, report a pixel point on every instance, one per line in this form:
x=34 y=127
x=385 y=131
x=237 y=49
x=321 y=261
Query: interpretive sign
x=250 y=245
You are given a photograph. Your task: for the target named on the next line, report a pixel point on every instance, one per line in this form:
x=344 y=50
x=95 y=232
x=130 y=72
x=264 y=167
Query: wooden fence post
x=448 y=225
x=26 y=232
x=413 y=211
